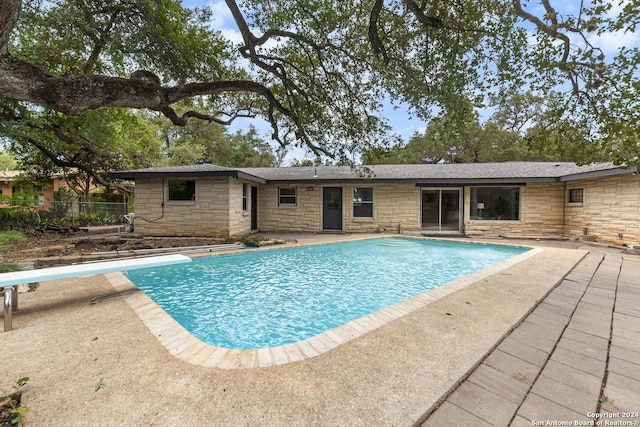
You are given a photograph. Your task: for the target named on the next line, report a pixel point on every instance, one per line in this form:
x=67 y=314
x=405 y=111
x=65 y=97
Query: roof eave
x=417 y=181
x=133 y=175
x=599 y=174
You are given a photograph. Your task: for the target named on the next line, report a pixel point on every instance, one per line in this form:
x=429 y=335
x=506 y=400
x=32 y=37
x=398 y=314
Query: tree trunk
x=9 y=12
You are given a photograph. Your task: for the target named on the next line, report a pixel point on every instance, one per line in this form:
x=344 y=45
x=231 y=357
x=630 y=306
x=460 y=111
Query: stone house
x=512 y=199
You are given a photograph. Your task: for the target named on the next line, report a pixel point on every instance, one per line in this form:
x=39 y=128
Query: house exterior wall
x=306 y=216
x=48 y=190
x=5 y=188
x=207 y=215
x=541 y=213
x=611 y=206
x=239 y=219
x=396 y=208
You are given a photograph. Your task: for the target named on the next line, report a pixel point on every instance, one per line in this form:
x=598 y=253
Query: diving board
x=89 y=269
x=14 y=278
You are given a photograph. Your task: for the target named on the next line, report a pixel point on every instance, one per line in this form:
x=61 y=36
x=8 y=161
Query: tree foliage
x=523 y=127
x=211 y=143
x=455 y=139
x=7 y=161
x=319 y=70
x=86 y=146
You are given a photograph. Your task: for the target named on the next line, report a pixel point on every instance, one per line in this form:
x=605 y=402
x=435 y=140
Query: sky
x=401 y=121
x=399 y=118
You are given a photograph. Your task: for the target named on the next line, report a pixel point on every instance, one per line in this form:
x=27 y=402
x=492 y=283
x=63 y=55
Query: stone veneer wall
x=239 y=220
x=611 y=205
x=306 y=216
x=208 y=215
x=541 y=213
x=396 y=209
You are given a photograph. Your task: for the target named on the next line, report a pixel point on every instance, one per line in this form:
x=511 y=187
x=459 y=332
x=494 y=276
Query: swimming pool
x=271 y=298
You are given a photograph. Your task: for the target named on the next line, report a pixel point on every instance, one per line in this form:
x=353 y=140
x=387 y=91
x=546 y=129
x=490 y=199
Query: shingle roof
x=11 y=175
x=507 y=172
x=185 y=171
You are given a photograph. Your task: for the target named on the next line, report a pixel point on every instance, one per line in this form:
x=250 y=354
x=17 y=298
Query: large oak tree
x=319 y=70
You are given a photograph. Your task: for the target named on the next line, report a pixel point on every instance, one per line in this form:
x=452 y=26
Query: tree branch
x=544 y=28
x=374 y=38
x=57 y=160
x=9 y=12
x=426 y=21
x=76 y=95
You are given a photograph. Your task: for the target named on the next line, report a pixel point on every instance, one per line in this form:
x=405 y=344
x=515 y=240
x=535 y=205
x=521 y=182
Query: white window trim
x=295 y=195
x=569 y=202
x=245 y=197
x=353 y=209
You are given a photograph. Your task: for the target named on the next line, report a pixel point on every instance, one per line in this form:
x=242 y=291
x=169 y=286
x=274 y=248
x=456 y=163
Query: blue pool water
x=269 y=298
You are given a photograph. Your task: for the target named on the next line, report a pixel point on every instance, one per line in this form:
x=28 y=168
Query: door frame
x=326 y=226
x=460 y=209
x=254 y=208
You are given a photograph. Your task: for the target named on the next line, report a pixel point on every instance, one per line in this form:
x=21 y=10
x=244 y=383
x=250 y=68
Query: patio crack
x=515 y=413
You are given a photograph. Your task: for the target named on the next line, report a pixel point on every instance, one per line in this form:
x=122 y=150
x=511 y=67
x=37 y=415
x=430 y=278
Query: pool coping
x=184 y=346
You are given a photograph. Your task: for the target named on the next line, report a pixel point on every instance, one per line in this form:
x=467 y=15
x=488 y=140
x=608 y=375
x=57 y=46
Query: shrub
x=18 y=219
x=98 y=218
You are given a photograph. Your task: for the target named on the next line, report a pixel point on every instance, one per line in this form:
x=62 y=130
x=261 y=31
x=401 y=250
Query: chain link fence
x=85 y=213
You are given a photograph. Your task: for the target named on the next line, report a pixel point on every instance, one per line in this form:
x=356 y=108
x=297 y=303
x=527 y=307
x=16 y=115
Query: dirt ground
x=54 y=244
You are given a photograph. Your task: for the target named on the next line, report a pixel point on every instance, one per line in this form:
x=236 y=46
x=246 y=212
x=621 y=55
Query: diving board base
x=9 y=281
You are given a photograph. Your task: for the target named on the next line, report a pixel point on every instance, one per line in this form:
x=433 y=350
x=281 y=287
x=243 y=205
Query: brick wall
x=396 y=208
x=239 y=220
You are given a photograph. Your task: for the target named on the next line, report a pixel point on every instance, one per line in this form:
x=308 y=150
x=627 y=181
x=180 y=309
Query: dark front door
x=254 y=208
x=332 y=208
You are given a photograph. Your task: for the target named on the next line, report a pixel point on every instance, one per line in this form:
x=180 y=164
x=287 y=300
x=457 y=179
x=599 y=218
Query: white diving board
x=14 y=278
x=76 y=270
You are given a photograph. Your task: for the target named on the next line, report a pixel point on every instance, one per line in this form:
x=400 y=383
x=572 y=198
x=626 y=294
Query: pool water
x=270 y=298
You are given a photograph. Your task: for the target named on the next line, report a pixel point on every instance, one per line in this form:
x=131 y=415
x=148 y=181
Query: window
x=495 y=203
x=182 y=190
x=39 y=194
x=244 y=197
x=33 y=194
x=576 y=195
x=287 y=196
x=362 y=202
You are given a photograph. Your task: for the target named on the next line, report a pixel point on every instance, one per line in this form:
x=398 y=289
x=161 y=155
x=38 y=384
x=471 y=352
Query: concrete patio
x=575 y=359
x=534 y=341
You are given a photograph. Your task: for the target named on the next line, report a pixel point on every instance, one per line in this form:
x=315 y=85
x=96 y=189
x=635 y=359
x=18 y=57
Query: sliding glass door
x=441 y=209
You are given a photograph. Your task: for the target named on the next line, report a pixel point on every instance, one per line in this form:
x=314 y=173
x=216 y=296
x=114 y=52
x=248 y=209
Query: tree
x=256 y=152
x=546 y=132
x=319 y=70
x=456 y=139
x=523 y=128
x=198 y=142
x=7 y=161
x=84 y=147
x=516 y=111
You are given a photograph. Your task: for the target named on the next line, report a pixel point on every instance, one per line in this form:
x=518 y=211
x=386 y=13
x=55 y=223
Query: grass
x=7 y=267
x=8 y=237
